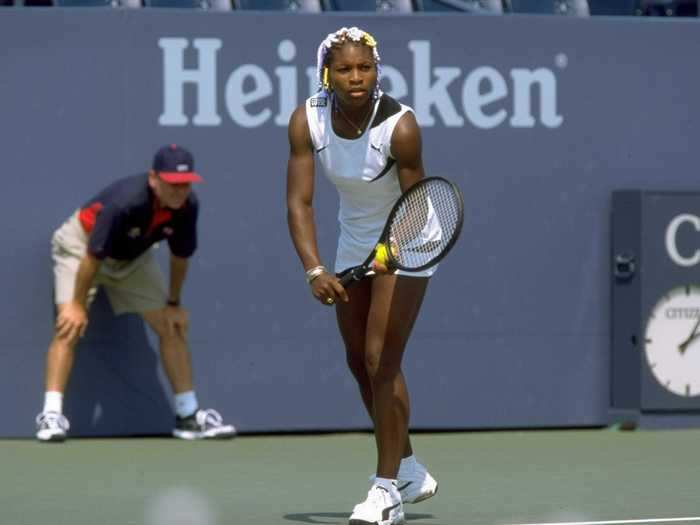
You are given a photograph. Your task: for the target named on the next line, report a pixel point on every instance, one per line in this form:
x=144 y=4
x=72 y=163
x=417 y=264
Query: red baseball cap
x=175 y=165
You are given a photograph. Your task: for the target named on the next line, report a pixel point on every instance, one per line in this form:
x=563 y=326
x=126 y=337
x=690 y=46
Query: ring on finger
x=329 y=300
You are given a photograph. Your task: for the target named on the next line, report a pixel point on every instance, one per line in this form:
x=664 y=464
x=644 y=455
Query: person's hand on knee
x=71 y=321
x=177 y=320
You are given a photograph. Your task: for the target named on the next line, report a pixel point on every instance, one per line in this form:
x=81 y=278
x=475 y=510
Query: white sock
x=408 y=464
x=389 y=485
x=186 y=403
x=53 y=402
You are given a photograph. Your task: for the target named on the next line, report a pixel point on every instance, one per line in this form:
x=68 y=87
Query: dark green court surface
x=486 y=478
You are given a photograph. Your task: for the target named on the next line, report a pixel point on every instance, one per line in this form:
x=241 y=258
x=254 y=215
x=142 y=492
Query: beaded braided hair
x=336 y=39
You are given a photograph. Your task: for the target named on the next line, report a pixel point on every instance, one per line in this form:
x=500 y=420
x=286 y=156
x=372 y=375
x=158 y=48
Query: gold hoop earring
x=326 y=83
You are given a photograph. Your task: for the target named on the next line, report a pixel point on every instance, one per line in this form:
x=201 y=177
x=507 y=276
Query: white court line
x=617 y=522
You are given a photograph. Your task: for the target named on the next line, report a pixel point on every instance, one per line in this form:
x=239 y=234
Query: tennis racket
x=421 y=229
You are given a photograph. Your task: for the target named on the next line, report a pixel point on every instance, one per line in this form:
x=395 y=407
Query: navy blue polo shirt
x=124 y=220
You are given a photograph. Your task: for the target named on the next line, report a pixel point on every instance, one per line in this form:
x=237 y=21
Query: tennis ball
x=381 y=254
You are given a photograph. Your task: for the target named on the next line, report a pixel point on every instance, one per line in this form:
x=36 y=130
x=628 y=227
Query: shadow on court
x=335 y=518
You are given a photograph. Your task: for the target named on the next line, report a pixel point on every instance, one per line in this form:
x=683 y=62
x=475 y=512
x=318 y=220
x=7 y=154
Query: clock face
x=672 y=341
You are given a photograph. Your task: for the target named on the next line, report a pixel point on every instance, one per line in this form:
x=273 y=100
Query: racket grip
x=352 y=276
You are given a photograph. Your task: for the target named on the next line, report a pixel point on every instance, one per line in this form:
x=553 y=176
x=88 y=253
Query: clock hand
x=693 y=335
x=685 y=344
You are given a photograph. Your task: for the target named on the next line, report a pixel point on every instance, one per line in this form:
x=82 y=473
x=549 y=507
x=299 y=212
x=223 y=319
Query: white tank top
x=363 y=171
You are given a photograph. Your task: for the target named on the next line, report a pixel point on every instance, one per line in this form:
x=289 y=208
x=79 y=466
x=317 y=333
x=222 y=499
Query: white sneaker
x=51 y=427
x=203 y=424
x=414 y=484
x=380 y=508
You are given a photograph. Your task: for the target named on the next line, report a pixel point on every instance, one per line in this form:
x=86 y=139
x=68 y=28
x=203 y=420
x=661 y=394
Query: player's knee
x=381 y=367
x=65 y=341
x=385 y=375
x=371 y=363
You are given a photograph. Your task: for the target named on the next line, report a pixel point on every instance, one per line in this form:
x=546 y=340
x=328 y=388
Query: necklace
x=359 y=129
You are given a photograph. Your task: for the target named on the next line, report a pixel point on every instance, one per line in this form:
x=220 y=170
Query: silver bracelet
x=314 y=272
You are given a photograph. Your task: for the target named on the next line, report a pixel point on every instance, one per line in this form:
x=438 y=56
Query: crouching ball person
x=109 y=242
x=369 y=146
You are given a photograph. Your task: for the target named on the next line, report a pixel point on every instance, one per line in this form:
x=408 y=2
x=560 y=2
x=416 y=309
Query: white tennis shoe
x=415 y=484
x=51 y=427
x=380 y=508
x=203 y=424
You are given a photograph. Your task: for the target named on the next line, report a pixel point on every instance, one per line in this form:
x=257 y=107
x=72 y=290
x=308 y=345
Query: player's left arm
x=406 y=149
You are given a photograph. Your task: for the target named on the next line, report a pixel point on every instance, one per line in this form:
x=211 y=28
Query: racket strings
x=425 y=224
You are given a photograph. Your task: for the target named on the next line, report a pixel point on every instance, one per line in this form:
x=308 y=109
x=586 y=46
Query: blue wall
x=536 y=118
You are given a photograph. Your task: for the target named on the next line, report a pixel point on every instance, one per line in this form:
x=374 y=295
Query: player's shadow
x=337 y=518
x=115 y=388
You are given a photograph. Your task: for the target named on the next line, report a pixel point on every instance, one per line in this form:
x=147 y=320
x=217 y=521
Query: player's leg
x=393 y=308
x=395 y=305
x=143 y=291
x=415 y=483
x=383 y=499
x=68 y=245
x=174 y=353
x=352 y=323
x=191 y=422
x=52 y=425
x=59 y=358
x=396 y=302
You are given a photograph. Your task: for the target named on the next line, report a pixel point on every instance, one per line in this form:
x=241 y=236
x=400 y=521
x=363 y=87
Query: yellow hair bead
x=369 y=40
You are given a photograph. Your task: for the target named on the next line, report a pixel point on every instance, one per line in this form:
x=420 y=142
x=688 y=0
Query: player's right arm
x=300 y=212
x=72 y=316
x=300 y=190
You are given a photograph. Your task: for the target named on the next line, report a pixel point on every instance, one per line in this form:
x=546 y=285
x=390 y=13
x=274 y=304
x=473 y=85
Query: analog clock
x=672 y=341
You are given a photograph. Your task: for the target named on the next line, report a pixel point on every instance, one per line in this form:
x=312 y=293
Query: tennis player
x=109 y=242
x=369 y=146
